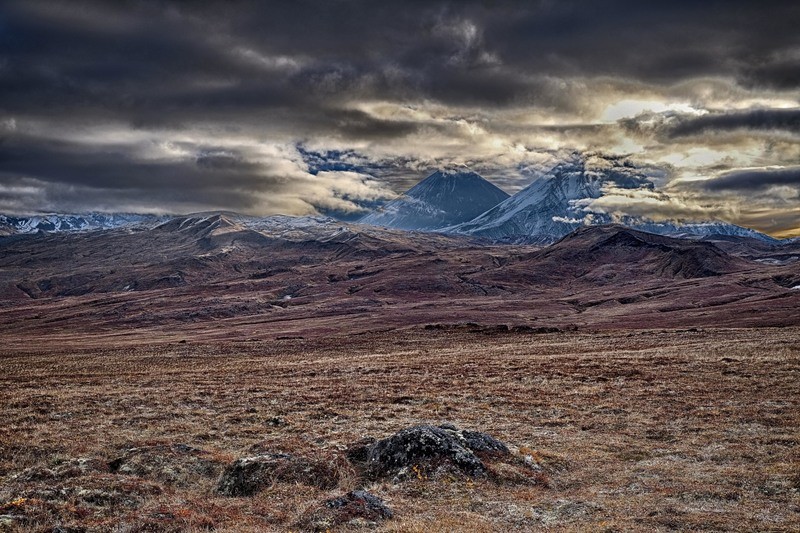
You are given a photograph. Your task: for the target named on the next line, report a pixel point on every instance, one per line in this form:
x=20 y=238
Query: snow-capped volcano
x=445 y=198
x=556 y=204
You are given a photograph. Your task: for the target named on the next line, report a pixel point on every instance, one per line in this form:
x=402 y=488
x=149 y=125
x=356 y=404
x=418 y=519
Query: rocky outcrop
x=175 y=464
x=357 y=508
x=249 y=475
x=419 y=450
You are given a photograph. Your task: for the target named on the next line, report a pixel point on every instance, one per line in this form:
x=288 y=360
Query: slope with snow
x=445 y=198
x=553 y=206
x=540 y=210
x=712 y=228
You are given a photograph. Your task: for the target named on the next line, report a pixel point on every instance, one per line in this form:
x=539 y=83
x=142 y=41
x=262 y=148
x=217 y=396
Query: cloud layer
x=330 y=106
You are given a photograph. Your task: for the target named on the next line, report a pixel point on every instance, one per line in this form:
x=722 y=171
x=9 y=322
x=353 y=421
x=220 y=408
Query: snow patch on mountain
x=54 y=222
x=548 y=207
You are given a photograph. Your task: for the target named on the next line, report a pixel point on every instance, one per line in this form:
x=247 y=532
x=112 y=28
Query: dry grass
x=650 y=430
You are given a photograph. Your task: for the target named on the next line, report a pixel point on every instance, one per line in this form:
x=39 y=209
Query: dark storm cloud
x=71 y=174
x=781 y=72
x=115 y=168
x=357 y=124
x=753 y=180
x=466 y=80
x=650 y=41
x=160 y=60
x=756 y=119
x=158 y=66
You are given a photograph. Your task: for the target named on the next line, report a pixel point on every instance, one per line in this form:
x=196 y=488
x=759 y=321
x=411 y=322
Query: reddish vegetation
x=648 y=430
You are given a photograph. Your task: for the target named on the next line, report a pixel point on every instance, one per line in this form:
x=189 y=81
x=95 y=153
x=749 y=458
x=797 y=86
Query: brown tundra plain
x=647 y=430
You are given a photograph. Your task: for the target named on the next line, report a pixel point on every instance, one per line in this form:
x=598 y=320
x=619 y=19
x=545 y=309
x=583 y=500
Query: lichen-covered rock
x=249 y=475
x=61 y=471
x=358 y=452
x=483 y=443
x=429 y=446
x=357 y=508
x=175 y=464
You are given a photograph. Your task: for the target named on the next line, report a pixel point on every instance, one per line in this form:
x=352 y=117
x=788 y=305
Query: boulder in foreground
x=423 y=449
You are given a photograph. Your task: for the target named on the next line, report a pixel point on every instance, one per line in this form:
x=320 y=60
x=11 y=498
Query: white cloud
x=654 y=205
x=268 y=62
x=568 y=220
x=630 y=108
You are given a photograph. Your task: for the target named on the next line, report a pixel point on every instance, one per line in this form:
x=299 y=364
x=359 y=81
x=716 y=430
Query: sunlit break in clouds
x=333 y=107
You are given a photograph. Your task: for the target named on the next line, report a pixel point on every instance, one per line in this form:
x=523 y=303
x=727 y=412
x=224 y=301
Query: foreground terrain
x=658 y=430
x=216 y=372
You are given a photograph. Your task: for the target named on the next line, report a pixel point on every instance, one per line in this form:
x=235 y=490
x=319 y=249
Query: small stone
x=357 y=508
x=362 y=504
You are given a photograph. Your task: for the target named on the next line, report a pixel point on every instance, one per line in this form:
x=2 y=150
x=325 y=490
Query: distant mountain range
x=71 y=223
x=292 y=275
x=75 y=222
x=458 y=202
x=542 y=211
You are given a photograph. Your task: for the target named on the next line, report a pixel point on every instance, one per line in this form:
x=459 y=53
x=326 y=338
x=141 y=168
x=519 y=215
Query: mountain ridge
x=199 y=269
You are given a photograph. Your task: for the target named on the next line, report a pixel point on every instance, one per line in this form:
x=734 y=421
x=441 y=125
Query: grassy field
x=636 y=431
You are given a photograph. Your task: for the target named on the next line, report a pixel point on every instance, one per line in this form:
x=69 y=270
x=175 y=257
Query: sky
x=334 y=106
